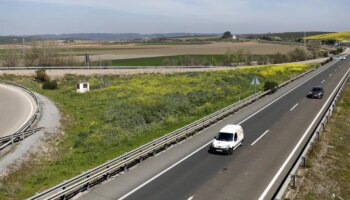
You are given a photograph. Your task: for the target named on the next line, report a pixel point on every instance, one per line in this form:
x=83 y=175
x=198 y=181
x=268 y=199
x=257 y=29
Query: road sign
x=255 y=81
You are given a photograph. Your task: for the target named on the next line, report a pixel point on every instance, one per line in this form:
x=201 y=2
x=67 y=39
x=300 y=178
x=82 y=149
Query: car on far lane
x=316 y=92
x=343 y=58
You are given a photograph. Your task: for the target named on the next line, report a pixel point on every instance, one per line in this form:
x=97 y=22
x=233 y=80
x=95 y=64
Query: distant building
x=234 y=37
x=83 y=87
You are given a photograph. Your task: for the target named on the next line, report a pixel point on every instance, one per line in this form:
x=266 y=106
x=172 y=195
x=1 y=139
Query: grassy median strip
x=329 y=174
x=127 y=112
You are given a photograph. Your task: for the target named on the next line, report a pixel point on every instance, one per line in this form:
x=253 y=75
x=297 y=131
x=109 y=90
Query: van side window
x=235 y=136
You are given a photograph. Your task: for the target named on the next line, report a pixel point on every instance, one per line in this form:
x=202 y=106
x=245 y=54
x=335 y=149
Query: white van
x=228 y=139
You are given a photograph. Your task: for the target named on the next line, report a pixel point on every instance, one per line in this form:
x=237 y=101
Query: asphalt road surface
x=16 y=108
x=276 y=128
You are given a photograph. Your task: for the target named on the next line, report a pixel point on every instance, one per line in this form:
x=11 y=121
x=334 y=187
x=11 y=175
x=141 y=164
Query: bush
x=271 y=85
x=337 y=51
x=50 y=85
x=41 y=75
x=298 y=54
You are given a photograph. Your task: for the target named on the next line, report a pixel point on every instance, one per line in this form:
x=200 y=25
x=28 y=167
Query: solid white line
x=161 y=173
x=280 y=97
x=190 y=198
x=323 y=81
x=298 y=144
x=260 y=137
x=200 y=148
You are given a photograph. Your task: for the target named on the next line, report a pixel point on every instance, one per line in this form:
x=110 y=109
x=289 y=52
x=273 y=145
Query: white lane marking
x=280 y=97
x=200 y=148
x=190 y=198
x=260 y=137
x=323 y=81
x=298 y=144
x=164 y=171
x=31 y=105
x=294 y=106
x=330 y=74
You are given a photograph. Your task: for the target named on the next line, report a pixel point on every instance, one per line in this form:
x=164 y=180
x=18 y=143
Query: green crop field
x=341 y=36
x=133 y=110
x=181 y=60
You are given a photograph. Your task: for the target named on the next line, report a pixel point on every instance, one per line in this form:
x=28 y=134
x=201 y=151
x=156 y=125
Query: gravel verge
x=49 y=120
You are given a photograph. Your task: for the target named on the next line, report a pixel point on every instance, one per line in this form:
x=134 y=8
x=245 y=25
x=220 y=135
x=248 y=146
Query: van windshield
x=225 y=137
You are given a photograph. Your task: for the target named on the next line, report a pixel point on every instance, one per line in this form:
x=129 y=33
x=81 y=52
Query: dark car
x=316 y=92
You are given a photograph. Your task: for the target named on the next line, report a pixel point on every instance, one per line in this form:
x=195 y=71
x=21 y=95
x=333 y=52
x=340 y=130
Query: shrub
x=337 y=51
x=41 y=75
x=298 y=54
x=271 y=85
x=50 y=85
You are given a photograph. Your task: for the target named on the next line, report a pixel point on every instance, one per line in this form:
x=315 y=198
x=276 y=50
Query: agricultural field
x=128 y=112
x=136 y=50
x=322 y=181
x=341 y=36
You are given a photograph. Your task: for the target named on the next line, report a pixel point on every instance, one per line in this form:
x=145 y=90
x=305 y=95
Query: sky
x=29 y=17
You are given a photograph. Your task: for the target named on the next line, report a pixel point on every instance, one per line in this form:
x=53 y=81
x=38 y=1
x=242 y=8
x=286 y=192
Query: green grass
x=132 y=110
x=330 y=160
x=341 y=36
x=161 y=61
x=175 y=60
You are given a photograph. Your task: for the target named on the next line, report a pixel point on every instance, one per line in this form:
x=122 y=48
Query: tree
x=271 y=85
x=314 y=48
x=226 y=35
x=298 y=54
x=11 y=58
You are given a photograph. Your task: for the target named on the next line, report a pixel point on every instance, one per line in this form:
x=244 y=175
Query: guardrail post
x=12 y=139
x=293 y=180
x=304 y=160
x=318 y=135
x=106 y=176
x=125 y=168
x=140 y=159
x=87 y=186
x=31 y=128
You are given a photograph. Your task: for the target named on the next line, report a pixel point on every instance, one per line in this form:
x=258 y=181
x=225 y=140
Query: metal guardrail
x=92 y=177
x=105 y=67
x=290 y=180
x=22 y=132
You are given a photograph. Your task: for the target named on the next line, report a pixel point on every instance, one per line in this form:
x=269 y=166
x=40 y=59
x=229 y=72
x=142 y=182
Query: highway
x=16 y=108
x=276 y=128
